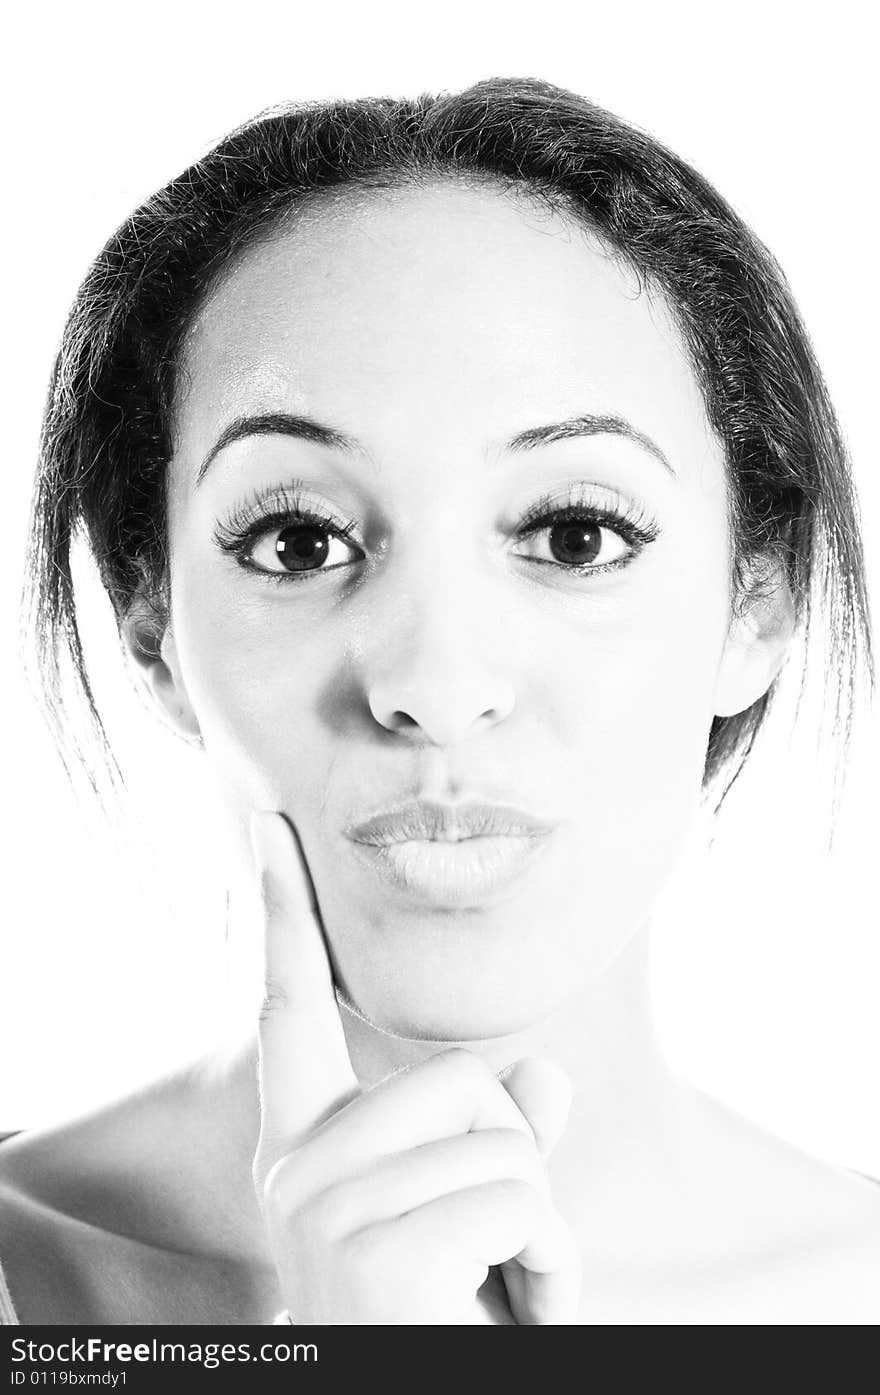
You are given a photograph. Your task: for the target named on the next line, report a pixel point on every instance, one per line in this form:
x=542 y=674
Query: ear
x=149 y=644
x=758 y=640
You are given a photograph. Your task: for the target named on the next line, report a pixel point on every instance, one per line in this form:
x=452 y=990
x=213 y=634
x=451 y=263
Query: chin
x=455 y=1026
x=481 y=986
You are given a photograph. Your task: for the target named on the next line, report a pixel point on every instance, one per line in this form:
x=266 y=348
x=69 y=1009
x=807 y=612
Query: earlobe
x=149 y=643
x=756 y=648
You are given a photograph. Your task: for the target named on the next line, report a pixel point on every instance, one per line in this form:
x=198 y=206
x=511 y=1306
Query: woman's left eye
x=575 y=542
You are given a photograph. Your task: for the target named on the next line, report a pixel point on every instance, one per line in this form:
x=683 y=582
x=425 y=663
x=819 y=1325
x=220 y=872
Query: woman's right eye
x=299 y=547
x=280 y=533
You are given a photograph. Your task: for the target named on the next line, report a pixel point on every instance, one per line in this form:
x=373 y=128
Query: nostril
x=439 y=712
x=434 y=725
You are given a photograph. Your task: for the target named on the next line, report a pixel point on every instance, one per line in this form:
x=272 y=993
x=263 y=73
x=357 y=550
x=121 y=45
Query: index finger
x=305 y=1070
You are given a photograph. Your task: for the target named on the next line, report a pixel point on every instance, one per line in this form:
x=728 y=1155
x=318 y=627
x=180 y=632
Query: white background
x=112 y=959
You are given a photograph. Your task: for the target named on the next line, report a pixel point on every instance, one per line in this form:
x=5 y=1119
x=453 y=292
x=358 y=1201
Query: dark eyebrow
x=307 y=429
x=586 y=425
x=277 y=424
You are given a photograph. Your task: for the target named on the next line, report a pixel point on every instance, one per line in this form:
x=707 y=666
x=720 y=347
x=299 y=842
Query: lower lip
x=454 y=875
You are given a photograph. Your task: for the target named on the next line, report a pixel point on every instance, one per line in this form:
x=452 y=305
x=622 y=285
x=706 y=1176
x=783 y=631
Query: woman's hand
x=389 y=1206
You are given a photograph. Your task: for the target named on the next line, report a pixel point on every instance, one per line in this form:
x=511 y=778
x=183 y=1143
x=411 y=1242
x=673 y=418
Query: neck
x=624 y=1129
x=621 y=1153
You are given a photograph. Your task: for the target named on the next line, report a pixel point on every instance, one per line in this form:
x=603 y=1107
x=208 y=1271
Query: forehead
x=465 y=307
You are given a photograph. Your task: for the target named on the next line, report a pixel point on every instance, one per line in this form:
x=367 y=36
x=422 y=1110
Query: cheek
x=636 y=724
x=645 y=696
x=255 y=680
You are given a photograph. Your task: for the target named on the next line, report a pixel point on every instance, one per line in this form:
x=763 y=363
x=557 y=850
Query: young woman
x=460 y=473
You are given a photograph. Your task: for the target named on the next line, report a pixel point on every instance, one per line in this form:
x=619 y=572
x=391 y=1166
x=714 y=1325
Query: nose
x=436 y=682
x=440 y=711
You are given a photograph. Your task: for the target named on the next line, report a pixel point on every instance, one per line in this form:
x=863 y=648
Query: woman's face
x=449 y=618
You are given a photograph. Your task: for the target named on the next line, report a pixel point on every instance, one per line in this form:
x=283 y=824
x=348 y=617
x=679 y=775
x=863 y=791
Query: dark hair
x=107 y=439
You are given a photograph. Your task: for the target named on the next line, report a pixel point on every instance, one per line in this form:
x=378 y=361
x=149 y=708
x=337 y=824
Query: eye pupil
x=302 y=547
x=575 y=542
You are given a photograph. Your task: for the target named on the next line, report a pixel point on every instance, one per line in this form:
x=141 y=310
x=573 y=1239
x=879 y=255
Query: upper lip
x=427 y=820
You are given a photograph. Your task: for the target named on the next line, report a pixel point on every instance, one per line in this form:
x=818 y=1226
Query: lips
x=450 y=856
x=424 y=820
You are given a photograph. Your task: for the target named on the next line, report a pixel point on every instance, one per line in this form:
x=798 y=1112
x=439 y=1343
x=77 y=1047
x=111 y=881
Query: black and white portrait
x=442 y=755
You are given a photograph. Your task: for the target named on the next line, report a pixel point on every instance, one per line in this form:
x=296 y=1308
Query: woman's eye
x=300 y=547
x=576 y=542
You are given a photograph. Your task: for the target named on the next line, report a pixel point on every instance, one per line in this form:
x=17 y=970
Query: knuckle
x=317 y=1219
x=519 y=1153
x=517 y=1193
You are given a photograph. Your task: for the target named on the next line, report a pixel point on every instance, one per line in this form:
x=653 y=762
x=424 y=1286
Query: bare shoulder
x=155 y=1164
x=97 y=1225
x=47 y=1259
x=801 y=1234
x=87 y=1169
x=739 y=1154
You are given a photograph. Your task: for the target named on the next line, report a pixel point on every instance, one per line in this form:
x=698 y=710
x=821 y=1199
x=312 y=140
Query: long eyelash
x=634 y=525
x=280 y=505
x=268 y=509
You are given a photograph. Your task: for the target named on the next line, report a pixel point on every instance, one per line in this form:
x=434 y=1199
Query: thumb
x=542 y=1091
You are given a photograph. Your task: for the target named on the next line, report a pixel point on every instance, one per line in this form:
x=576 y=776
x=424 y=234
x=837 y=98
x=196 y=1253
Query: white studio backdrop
x=113 y=962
